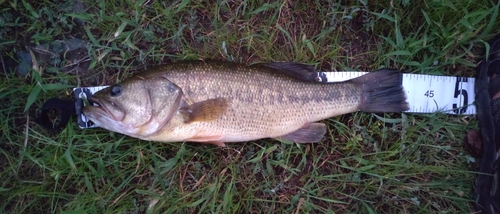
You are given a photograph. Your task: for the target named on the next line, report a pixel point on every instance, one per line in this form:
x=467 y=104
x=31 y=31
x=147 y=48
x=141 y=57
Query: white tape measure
x=425 y=93
x=80 y=94
x=428 y=93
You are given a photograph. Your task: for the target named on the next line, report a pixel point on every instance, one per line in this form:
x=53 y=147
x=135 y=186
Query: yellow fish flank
x=218 y=102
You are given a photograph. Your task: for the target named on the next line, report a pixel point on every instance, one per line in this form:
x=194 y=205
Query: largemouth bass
x=219 y=102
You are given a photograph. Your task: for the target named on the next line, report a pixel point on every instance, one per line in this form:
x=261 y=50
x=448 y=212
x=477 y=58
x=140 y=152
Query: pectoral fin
x=310 y=133
x=206 y=110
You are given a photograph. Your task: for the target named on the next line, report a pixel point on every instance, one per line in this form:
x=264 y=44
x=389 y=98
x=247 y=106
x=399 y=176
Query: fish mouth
x=99 y=108
x=107 y=108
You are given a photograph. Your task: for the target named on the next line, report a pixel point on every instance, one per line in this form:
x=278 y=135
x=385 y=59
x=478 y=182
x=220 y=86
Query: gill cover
x=165 y=98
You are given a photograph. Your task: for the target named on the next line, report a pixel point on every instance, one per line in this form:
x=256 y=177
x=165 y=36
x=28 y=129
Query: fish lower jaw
x=105 y=122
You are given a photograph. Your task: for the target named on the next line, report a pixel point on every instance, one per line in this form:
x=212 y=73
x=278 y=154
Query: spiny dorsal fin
x=205 y=110
x=295 y=70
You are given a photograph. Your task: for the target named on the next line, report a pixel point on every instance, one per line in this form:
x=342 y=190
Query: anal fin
x=310 y=133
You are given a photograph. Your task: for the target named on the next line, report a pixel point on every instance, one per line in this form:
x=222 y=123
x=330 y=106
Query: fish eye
x=115 y=90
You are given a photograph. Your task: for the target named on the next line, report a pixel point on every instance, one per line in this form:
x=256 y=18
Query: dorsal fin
x=295 y=70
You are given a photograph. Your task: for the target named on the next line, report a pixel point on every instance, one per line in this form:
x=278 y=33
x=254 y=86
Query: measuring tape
x=425 y=93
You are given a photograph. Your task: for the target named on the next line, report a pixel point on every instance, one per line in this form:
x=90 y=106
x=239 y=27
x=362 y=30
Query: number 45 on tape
x=428 y=94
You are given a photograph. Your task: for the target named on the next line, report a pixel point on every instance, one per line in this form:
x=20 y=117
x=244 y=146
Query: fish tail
x=382 y=91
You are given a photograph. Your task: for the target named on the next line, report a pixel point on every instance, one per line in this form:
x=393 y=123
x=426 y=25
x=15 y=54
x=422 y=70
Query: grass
x=402 y=163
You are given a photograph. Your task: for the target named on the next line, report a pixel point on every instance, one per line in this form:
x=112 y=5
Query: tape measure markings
x=80 y=94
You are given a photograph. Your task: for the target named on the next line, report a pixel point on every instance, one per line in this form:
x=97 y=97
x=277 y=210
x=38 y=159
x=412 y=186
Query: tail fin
x=382 y=91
